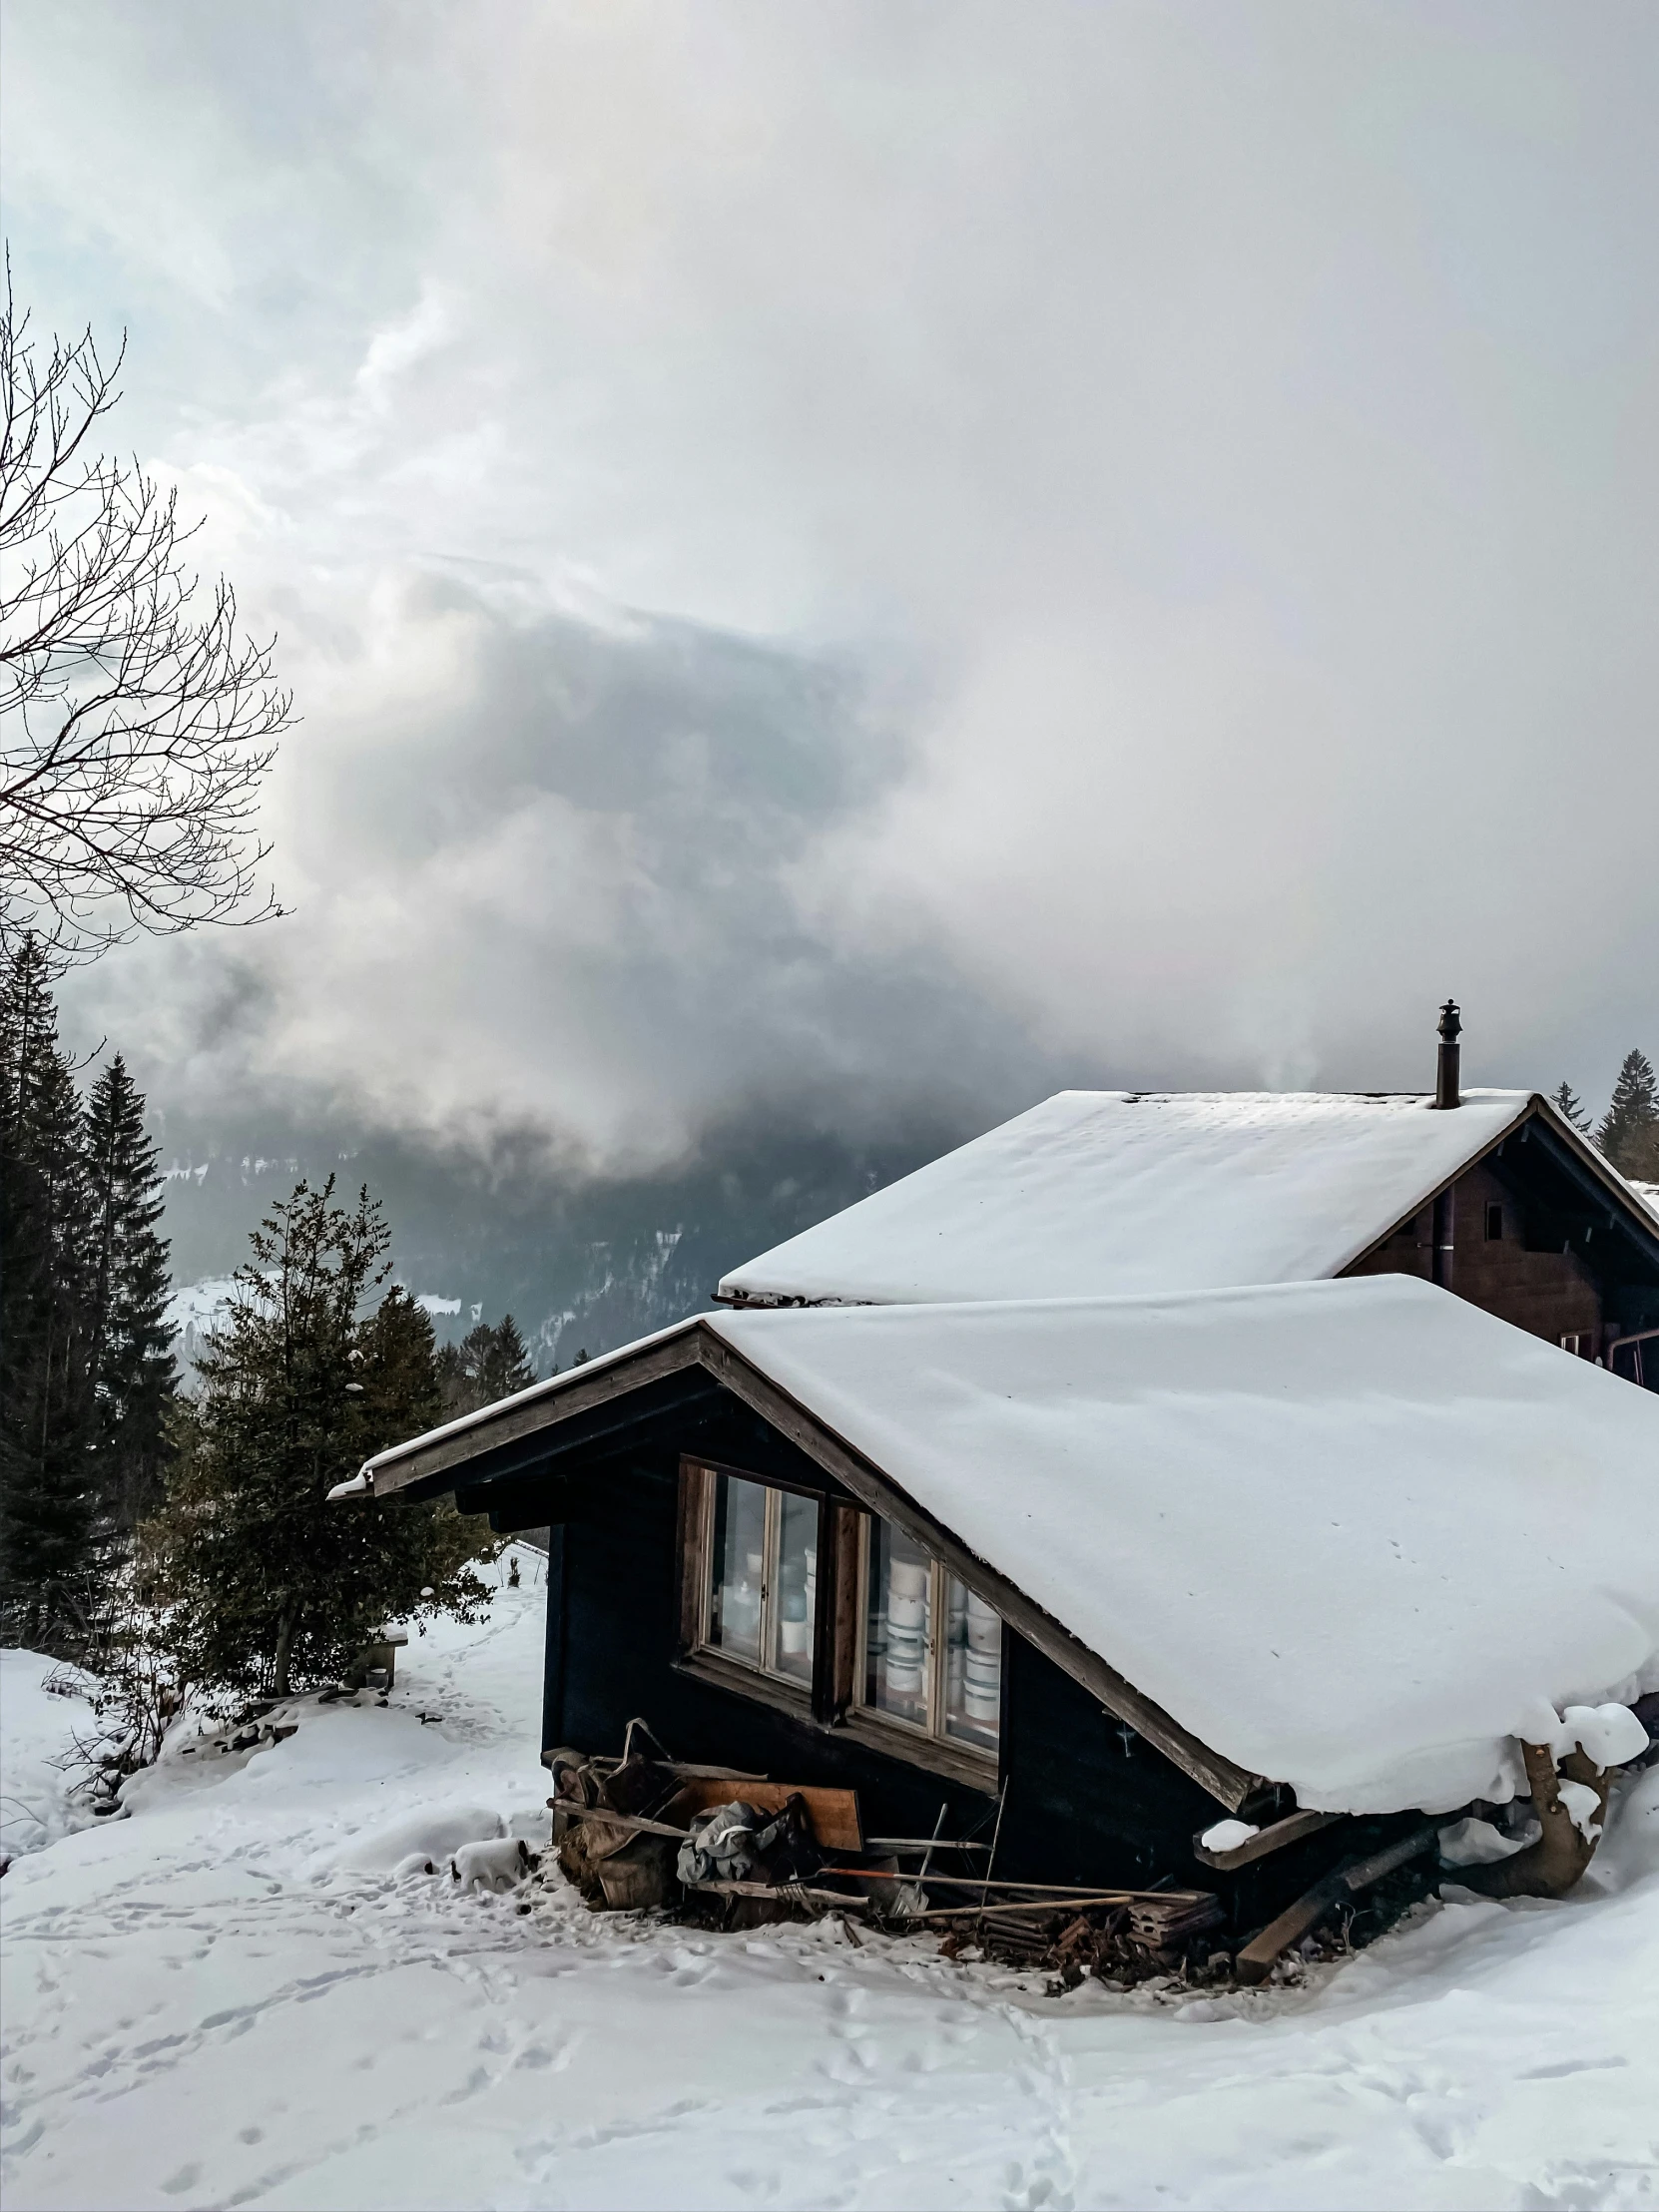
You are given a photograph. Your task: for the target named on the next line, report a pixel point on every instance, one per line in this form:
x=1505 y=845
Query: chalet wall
x=1549 y=1293
x=1085 y=1801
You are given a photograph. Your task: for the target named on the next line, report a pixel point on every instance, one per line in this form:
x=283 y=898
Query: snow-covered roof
x=1099 y=1193
x=1356 y=1536
x=1352 y=1535
x=1648 y=1193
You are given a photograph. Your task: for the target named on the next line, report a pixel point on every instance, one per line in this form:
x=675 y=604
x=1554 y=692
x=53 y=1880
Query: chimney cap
x=1450 y=1024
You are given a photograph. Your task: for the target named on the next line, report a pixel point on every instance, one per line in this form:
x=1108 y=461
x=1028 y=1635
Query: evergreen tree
x=489 y=1363
x=268 y=1584
x=1630 y=1133
x=132 y=1357
x=47 y=1411
x=1572 y=1107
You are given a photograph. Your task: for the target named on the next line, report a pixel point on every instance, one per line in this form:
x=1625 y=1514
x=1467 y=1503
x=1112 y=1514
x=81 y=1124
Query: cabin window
x=1494 y=1221
x=759 y=1579
x=931 y=1650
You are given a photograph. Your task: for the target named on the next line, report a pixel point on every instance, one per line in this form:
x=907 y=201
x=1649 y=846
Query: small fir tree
x=134 y=1377
x=1629 y=1135
x=1572 y=1107
x=269 y=1585
x=47 y=1565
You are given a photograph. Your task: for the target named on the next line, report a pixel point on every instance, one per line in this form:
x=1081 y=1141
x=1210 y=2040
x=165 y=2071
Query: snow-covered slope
x=1096 y=1194
x=224 y=2001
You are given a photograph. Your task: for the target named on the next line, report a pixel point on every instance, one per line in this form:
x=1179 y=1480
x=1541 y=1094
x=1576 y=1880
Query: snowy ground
x=230 y=1999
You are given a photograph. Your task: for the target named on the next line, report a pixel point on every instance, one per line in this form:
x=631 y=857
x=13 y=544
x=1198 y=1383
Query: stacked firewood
x=1115 y=1939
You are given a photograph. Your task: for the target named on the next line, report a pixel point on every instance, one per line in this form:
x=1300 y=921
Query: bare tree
x=135 y=726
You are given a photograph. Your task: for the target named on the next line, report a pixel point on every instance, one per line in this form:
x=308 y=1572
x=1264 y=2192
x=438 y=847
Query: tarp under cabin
x=1357 y=1536
x=1101 y=1194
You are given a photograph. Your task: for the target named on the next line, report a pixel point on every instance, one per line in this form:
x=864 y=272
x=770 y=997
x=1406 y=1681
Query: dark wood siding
x=1548 y=1292
x=1085 y=1800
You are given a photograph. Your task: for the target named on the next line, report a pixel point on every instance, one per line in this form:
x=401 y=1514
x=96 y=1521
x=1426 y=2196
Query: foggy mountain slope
x=583 y=1264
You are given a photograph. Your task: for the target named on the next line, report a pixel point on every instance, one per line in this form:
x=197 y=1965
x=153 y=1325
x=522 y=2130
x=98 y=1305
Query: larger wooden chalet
x=965 y=1509
x=1494 y=1195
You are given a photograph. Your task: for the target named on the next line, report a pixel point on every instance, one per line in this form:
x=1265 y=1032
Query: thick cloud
x=1146 y=512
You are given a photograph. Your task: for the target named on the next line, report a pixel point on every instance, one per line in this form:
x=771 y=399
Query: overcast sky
x=866 y=556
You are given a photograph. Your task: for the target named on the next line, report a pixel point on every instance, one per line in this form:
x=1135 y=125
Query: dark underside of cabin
x=1072 y=1792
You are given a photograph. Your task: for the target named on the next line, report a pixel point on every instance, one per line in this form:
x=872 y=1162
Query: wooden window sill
x=721 y=1673
x=956 y=1762
x=977 y=1770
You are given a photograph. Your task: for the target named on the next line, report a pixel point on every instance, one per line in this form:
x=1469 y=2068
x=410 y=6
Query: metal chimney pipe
x=1446 y=1072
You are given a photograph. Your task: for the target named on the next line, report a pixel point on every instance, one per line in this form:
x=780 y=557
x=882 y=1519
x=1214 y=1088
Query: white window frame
x=935 y=1732
x=770 y=1543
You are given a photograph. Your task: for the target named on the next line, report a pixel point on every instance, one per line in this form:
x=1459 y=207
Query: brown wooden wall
x=1550 y=1293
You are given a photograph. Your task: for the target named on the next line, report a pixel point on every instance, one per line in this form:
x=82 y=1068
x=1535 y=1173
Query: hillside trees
x=86 y=1368
x=134 y=1377
x=48 y=1508
x=269 y=1586
x=489 y=1363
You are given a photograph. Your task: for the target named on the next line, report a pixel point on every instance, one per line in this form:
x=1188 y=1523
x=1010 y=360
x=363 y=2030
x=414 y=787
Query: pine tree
x=132 y=1369
x=1630 y=1133
x=490 y=1363
x=47 y=1565
x=269 y=1583
x=1572 y=1107
x=504 y=1366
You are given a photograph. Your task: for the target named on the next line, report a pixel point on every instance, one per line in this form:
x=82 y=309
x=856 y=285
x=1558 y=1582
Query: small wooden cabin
x=1101 y=1570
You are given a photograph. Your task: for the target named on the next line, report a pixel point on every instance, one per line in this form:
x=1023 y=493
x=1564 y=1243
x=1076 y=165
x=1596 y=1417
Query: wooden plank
x=1000 y=1908
x=1255 y=1961
x=833 y=1813
x=1274 y=1837
x=784 y=1892
x=1037 y=1890
x=918 y=1844
x=634 y=1823
x=1230 y=1785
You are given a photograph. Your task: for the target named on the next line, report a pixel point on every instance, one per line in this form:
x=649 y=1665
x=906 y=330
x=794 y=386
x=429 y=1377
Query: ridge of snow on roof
x=1356 y=1536
x=1100 y=1194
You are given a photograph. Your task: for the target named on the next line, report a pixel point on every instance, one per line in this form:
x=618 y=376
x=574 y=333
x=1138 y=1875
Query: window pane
x=897 y=1625
x=795 y=1587
x=973 y=1667
x=736 y=1565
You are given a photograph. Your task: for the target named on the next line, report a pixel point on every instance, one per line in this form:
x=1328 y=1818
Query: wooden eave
x=1624 y=1207
x=434 y=1464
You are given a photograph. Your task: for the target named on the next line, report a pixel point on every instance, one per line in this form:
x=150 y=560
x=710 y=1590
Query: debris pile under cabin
x=645 y=1831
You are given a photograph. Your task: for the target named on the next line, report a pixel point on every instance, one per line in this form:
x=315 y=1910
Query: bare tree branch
x=136 y=727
